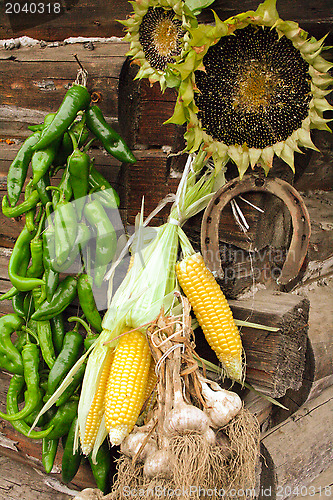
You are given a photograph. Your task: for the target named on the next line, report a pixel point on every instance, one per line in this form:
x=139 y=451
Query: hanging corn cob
x=126 y=386
x=97 y=408
x=213 y=313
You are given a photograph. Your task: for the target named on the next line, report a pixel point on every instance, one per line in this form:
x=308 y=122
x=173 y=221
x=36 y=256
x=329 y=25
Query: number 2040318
x=32 y=8
x=304 y=491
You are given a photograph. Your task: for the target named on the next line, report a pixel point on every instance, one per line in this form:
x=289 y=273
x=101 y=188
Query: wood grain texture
x=35 y=80
x=275 y=360
x=98 y=18
x=300 y=447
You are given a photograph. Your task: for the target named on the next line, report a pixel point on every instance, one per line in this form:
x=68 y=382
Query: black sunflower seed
x=256 y=88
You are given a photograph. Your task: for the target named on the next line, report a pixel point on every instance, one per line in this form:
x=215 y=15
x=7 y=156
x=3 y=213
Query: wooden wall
x=34 y=79
x=98 y=18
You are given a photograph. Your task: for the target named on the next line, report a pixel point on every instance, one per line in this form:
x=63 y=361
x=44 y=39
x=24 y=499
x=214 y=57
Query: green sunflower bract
x=158 y=35
x=251 y=87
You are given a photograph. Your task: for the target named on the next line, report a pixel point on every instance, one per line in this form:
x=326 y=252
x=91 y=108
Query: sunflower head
x=251 y=87
x=158 y=33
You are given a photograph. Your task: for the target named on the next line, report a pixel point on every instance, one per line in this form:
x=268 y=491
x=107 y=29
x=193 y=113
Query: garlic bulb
x=132 y=444
x=186 y=418
x=159 y=463
x=222 y=405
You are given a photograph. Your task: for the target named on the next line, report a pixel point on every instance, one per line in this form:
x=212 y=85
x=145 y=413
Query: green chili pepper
x=61 y=299
x=82 y=238
x=30 y=214
x=42 y=160
x=20 y=251
x=11 y=292
x=90 y=340
x=66 y=359
x=14 y=390
x=66 y=148
x=42 y=184
x=22 y=271
x=87 y=302
x=77 y=98
x=70 y=460
x=80 y=131
x=78 y=167
x=51 y=276
x=70 y=390
x=49 y=451
x=101 y=468
x=18 y=304
x=33 y=396
x=65 y=227
x=36 y=128
x=36 y=250
x=29 y=307
x=63 y=191
x=113 y=143
x=106 y=241
x=20 y=341
x=29 y=420
x=24 y=207
x=64 y=151
x=58 y=332
x=44 y=334
x=62 y=420
x=19 y=167
x=10 y=358
x=105 y=193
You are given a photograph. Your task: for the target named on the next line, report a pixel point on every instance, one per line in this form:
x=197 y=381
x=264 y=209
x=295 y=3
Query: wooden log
x=300 y=448
x=318 y=373
x=99 y=19
x=275 y=361
x=37 y=78
x=260 y=407
x=143 y=109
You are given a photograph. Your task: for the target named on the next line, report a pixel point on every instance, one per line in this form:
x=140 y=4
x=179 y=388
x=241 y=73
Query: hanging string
x=82 y=74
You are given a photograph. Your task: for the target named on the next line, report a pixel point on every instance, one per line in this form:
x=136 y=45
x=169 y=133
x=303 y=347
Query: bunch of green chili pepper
x=62 y=224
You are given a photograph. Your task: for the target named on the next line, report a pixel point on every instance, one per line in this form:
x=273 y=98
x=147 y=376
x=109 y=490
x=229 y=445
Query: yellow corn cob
x=150 y=394
x=213 y=313
x=126 y=386
x=151 y=381
x=96 y=411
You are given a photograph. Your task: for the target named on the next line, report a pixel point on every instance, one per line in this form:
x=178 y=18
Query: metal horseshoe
x=283 y=190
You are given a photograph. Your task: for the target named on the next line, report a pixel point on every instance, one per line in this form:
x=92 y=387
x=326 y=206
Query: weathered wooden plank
x=143 y=109
x=260 y=407
x=300 y=447
x=149 y=178
x=318 y=373
x=275 y=360
x=37 y=78
x=99 y=18
x=93 y=19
